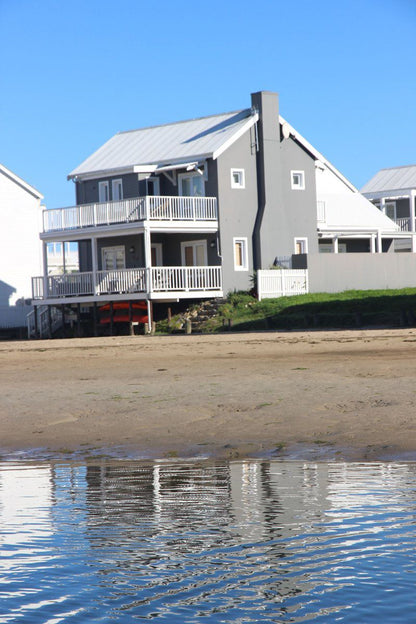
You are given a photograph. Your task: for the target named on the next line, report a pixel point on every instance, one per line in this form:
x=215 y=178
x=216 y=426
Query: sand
x=306 y=395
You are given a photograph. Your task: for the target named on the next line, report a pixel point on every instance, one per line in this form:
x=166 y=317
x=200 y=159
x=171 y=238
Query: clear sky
x=75 y=72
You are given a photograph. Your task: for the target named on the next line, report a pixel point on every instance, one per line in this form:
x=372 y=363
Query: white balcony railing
x=157 y=208
x=404 y=224
x=124 y=281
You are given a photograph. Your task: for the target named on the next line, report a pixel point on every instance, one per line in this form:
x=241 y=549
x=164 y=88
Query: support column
x=373 y=243
x=94 y=264
x=45 y=269
x=335 y=244
x=383 y=205
x=63 y=257
x=379 y=242
x=413 y=239
x=148 y=258
x=412 y=210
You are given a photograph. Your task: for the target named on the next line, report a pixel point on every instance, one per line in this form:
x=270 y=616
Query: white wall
x=20 y=247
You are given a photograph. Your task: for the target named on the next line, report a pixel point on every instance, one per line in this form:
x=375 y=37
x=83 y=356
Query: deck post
x=94 y=264
x=111 y=317
x=94 y=317
x=150 y=315
x=131 y=326
x=63 y=318
x=79 y=320
x=49 y=322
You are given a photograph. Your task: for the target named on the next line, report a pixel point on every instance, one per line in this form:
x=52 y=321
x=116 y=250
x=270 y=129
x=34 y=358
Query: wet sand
x=305 y=395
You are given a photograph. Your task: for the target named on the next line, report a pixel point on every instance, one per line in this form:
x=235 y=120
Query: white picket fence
x=282 y=283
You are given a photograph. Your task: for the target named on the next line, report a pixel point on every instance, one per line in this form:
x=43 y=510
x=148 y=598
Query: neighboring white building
x=20 y=251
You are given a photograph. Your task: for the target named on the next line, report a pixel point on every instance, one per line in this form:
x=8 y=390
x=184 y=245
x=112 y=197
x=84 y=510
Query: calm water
x=195 y=542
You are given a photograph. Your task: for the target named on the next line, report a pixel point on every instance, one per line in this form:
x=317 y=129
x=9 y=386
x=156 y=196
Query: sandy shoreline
x=308 y=395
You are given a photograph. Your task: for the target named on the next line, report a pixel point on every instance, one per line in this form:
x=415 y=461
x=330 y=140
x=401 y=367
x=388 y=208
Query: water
x=190 y=542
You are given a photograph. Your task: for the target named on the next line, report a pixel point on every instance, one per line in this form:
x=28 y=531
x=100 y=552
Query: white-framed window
x=156 y=251
x=297 y=180
x=152 y=186
x=301 y=245
x=117 y=189
x=240 y=254
x=238 y=179
x=103 y=191
x=194 y=253
x=191 y=185
x=113 y=258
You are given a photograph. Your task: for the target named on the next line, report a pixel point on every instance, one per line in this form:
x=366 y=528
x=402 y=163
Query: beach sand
x=304 y=395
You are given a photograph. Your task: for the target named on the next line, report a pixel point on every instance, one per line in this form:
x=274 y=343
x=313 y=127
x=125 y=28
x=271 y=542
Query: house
x=20 y=250
x=393 y=191
x=190 y=210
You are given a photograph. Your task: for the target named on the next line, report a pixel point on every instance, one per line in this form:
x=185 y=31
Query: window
x=297 y=180
x=390 y=210
x=113 y=258
x=103 y=192
x=117 y=189
x=301 y=245
x=152 y=186
x=194 y=253
x=240 y=254
x=329 y=248
x=191 y=185
x=237 y=178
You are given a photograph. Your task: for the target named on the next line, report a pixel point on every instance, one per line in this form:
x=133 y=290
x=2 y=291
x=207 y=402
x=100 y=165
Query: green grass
x=353 y=308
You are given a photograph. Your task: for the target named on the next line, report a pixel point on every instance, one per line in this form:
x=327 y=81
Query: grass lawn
x=353 y=308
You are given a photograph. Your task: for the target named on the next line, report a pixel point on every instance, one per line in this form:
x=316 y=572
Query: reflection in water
x=207 y=542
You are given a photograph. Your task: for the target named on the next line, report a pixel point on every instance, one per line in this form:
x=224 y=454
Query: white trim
x=117 y=182
x=103 y=185
x=316 y=154
x=303 y=241
x=250 y=122
x=158 y=252
x=241 y=184
x=194 y=244
x=156 y=184
x=297 y=186
x=27 y=187
x=244 y=253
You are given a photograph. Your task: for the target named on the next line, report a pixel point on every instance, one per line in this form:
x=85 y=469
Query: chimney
x=266 y=103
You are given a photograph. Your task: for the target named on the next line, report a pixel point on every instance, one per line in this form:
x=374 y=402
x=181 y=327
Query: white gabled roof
x=353 y=212
x=184 y=141
x=392 y=179
x=30 y=189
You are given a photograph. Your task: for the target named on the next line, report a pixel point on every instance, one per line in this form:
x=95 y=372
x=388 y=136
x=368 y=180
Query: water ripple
x=202 y=542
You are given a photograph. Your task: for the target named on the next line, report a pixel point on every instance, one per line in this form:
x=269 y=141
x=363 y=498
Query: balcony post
x=45 y=269
x=412 y=210
x=148 y=257
x=94 y=264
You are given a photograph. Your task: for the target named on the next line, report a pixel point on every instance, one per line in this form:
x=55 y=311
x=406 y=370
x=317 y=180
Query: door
x=113 y=258
x=194 y=253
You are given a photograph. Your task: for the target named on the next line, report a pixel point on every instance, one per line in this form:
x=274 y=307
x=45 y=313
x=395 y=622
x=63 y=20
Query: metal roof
x=393 y=179
x=195 y=139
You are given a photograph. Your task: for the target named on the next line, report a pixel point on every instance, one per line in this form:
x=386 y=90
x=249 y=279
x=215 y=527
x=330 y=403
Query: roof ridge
x=398 y=167
x=182 y=121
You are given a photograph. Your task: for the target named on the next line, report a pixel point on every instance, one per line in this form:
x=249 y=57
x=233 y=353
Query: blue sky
x=75 y=72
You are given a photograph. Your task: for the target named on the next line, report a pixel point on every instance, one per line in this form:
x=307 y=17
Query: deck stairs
x=43 y=322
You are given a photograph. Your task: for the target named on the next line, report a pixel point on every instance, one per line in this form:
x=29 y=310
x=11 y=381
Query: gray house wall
x=237 y=208
x=360 y=271
x=297 y=219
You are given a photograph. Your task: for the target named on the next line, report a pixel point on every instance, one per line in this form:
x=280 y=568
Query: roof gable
x=27 y=187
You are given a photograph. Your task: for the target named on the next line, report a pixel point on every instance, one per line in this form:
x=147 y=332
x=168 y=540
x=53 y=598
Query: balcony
x=155 y=282
x=149 y=208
